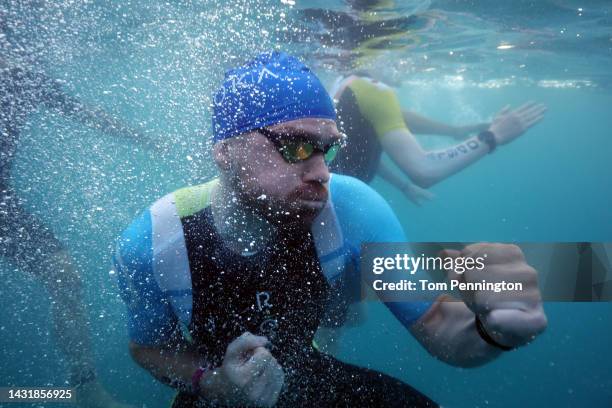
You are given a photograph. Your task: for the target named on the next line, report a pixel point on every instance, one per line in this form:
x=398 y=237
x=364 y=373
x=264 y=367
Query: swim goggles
x=295 y=150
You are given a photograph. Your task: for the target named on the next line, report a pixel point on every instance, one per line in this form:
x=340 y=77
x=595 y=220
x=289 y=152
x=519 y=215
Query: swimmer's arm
x=391 y=177
x=171 y=361
x=448 y=332
x=55 y=97
x=99 y=119
x=414 y=193
x=249 y=374
x=427 y=168
x=173 y=364
x=420 y=125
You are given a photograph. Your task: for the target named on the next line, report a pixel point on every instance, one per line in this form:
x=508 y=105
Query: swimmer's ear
x=221 y=155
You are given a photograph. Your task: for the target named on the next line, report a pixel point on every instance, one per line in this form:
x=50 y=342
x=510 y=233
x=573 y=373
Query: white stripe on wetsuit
x=170 y=260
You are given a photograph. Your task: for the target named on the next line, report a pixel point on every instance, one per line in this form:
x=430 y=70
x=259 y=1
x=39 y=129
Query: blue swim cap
x=273 y=88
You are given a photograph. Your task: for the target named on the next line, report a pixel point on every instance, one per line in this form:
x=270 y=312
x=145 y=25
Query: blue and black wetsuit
x=24 y=239
x=176 y=274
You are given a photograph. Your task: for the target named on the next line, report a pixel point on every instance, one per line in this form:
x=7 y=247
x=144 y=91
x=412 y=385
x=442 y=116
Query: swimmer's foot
x=93 y=395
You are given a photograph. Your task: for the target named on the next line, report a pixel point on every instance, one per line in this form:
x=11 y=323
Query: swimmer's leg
x=71 y=329
x=31 y=246
x=69 y=316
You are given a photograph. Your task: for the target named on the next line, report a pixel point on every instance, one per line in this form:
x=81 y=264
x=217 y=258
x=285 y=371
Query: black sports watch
x=488 y=137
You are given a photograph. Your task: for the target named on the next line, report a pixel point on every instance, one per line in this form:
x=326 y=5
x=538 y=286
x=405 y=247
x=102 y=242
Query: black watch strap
x=488 y=137
x=485 y=336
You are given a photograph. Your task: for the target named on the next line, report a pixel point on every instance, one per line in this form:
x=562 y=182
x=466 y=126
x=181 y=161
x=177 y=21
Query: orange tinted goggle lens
x=299 y=151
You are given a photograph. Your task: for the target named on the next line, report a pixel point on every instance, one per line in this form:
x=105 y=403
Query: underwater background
x=155 y=65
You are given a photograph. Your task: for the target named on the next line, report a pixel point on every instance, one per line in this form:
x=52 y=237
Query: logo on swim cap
x=272 y=88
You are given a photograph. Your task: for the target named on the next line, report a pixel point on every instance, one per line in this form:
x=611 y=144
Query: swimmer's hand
x=510 y=124
x=417 y=194
x=249 y=374
x=512 y=318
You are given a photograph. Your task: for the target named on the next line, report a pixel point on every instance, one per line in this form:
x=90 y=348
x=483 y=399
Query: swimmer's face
x=281 y=191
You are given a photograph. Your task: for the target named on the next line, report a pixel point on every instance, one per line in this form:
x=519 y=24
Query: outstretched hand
x=510 y=124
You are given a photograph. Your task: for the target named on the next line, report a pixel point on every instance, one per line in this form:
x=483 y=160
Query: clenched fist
x=511 y=318
x=249 y=374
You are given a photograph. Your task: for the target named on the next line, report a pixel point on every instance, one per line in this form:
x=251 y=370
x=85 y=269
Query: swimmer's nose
x=315 y=169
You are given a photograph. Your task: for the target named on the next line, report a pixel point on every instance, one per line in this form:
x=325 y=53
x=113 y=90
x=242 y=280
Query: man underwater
x=227 y=282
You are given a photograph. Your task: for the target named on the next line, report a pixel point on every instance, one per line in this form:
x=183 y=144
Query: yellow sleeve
x=379 y=105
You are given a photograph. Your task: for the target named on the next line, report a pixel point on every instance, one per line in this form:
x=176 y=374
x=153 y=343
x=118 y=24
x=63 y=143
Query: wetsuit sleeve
x=151 y=320
x=365 y=216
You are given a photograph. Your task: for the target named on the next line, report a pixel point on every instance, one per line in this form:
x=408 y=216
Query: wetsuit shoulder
x=364 y=216
x=378 y=104
x=368 y=110
x=190 y=200
x=152 y=265
x=149 y=316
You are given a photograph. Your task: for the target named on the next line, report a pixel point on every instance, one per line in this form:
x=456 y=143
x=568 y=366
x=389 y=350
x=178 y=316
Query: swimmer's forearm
x=443 y=163
x=171 y=365
x=427 y=168
x=99 y=119
x=92 y=117
x=448 y=332
x=391 y=177
x=175 y=366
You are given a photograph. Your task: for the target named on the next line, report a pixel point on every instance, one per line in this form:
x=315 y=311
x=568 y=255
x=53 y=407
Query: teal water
x=156 y=64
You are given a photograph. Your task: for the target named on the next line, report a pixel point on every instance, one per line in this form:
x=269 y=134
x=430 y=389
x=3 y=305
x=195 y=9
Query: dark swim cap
x=273 y=88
